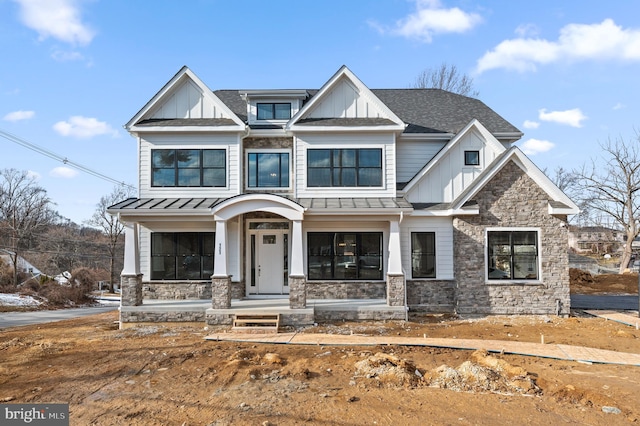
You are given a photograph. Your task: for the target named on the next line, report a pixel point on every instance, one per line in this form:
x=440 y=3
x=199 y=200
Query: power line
x=64 y=160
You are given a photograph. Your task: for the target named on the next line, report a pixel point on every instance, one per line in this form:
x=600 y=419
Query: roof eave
x=183 y=129
x=301 y=129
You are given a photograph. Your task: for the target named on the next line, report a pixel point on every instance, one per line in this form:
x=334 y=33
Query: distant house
x=597 y=240
x=23 y=265
x=417 y=199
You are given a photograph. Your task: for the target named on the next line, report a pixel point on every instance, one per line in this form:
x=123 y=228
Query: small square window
x=472 y=158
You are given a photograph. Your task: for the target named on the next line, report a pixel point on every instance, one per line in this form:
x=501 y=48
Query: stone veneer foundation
x=511 y=200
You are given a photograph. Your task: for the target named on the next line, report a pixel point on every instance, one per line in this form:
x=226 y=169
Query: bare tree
x=610 y=186
x=25 y=212
x=446 y=77
x=110 y=225
x=569 y=183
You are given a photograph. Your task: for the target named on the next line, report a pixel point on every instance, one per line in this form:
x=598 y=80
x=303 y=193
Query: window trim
x=268 y=151
x=332 y=167
x=200 y=168
x=273 y=111
x=537 y=280
x=435 y=253
x=466 y=159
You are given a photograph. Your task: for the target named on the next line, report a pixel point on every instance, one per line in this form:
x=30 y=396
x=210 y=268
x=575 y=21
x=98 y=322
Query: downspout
x=404 y=278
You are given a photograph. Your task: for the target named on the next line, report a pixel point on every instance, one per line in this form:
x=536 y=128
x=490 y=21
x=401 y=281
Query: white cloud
x=570 y=117
x=19 y=115
x=536 y=146
x=33 y=175
x=528 y=124
x=60 y=19
x=431 y=18
x=527 y=30
x=63 y=172
x=577 y=42
x=66 y=56
x=619 y=105
x=83 y=127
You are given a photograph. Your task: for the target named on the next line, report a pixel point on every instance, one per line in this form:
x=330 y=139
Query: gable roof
x=559 y=203
x=223 y=116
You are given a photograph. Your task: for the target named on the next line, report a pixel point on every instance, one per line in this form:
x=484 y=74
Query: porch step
x=256 y=322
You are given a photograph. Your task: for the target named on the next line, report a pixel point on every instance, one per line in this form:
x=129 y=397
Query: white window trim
x=537 y=281
x=267 y=151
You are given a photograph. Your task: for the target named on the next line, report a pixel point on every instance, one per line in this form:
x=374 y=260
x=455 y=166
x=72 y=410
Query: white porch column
x=394 y=266
x=297 y=256
x=131 y=250
x=220 y=251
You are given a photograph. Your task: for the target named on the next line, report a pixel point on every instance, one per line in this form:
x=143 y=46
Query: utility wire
x=65 y=160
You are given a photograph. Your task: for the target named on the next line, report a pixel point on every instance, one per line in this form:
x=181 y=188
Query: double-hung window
x=182 y=255
x=423 y=254
x=188 y=167
x=512 y=255
x=344 y=167
x=344 y=255
x=268 y=170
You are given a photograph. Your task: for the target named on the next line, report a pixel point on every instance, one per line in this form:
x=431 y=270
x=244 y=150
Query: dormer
x=272 y=107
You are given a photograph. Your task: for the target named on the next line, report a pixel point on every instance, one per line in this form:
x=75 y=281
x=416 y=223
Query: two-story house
x=414 y=199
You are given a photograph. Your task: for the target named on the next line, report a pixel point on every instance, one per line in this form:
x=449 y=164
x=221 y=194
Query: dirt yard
x=170 y=375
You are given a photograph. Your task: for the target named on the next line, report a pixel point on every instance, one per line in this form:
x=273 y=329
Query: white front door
x=268 y=257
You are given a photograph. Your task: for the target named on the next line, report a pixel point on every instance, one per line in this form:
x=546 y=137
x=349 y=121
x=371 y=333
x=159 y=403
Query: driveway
x=603 y=301
x=15 y=319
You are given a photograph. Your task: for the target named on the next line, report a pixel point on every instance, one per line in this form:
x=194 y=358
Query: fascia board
x=316 y=129
x=357 y=212
x=445 y=213
x=563 y=211
x=183 y=129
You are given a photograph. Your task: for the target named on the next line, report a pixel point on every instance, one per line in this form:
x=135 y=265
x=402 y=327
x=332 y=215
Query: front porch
x=316 y=310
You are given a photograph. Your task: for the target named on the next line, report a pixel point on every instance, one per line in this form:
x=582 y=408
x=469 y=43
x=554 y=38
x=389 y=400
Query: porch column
x=220 y=281
x=395 y=276
x=131 y=278
x=297 y=280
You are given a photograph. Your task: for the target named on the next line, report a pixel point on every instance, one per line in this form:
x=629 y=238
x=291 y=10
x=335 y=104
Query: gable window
x=423 y=254
x=182 y=255
x=268 y=170
x=344 y=255
x=472 y=158
x=512 y=255
x=273 y=111
x=188 y=167
x=344 y=167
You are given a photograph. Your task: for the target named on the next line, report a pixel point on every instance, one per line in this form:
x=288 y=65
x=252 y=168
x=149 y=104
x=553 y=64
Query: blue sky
x=73 y=72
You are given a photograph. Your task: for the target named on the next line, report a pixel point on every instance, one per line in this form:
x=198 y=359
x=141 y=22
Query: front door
x=269 y=271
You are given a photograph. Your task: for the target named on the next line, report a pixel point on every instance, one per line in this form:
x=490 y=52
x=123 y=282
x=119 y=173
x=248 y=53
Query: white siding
x=229 y=142
x=443 y=228
x=413 y=156
x=188 y=101
x=344 y=101
x=450 y=177
x=385 y=142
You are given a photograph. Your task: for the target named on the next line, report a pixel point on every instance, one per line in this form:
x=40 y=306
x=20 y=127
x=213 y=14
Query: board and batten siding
x=234 y=244
x=443 y=228
x=188 y=101
x=413 y=155
x=385 y=142
x=450 y=177
x=345 y=101
x=229 y=142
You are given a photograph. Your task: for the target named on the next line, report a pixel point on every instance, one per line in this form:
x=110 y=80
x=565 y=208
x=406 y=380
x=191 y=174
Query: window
x=472 y=158
x=512 y=255
x=274 y=111
x=188 y=167
x=268 y=170
x=344 y=255
x=423 y=254
x=344 y=167
x=182 y=255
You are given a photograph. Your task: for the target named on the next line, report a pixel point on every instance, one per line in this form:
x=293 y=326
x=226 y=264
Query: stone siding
x=156 y=316
x=131 y=290
x=511 y=199
x=431 y=296
x=177 y=290
x=345 y=290
x=395 y=290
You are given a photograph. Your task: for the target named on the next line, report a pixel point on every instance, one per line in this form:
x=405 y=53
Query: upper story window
x=344 y=167
x=268 y=170
x=273 y=111
x=512 y=255
x=472 y=158
x=188 y=167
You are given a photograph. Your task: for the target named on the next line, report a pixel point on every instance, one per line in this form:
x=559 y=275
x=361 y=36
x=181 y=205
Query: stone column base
x=297 y=292
x=395 y=289
x=131 y=290
x=221 y=292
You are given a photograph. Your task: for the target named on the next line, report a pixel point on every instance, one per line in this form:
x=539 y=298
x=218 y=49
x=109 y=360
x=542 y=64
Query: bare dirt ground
x=170 y=375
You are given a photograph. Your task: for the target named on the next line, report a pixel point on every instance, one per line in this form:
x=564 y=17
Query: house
x=598 y=240
x=341 y=202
